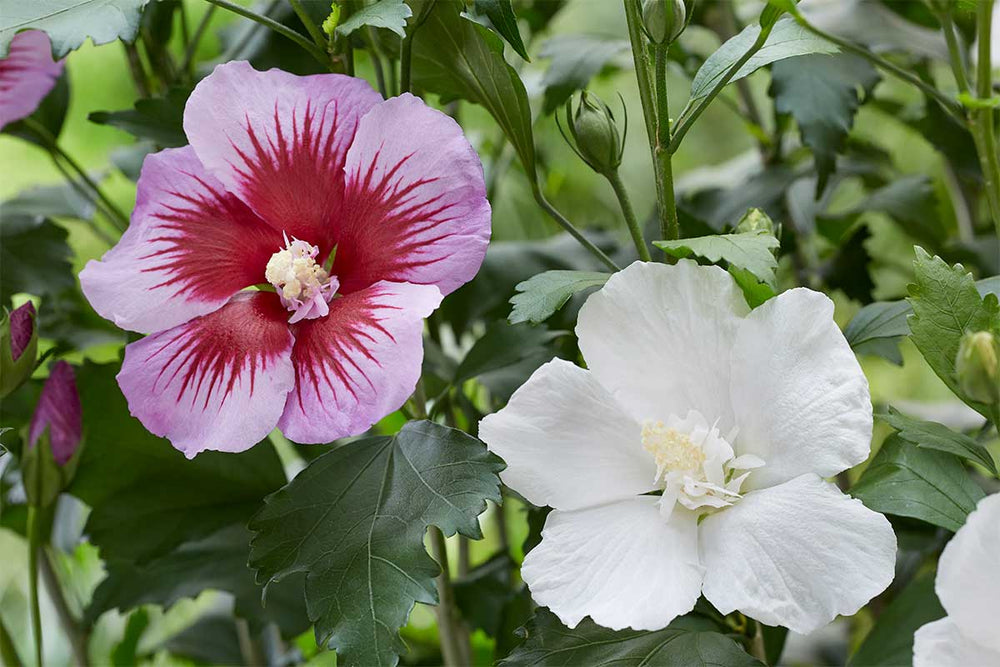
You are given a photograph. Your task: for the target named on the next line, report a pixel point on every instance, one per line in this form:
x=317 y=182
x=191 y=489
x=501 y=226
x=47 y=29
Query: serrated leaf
x=752 y=251
x=70 y=22
x=501 y=15
x=155 y=499
x=34 y=257
x=388 y=14
x=552 y=644
x=218 y=562
x=919 y=483
x=160 y=119
x=946 y=304
x=539 y=297
x=787 y=40
x=460 y=59
x=878 y=329
x=890 y=642
x=754 y=291
x=822 y=93
x=575 y=60
x=932 y=435
x=354 y=522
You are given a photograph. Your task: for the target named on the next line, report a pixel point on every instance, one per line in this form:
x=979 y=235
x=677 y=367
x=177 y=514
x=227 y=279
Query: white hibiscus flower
x=736 y=417
x=968 y=585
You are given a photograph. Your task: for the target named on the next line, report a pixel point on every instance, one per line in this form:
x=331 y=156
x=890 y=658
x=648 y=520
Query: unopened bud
x=18 y=347
x=978 y=367
x=755 y=220
x=663 y=20
x=595 y=133
x=54 y=437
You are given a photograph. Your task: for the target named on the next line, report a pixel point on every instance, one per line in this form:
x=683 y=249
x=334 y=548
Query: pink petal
x=27 y=75
x=416 y=208
x=191 y=246
x=58 y=410
x=359 y=363
x=22 y=326
x=278 y=141
x=217 y=382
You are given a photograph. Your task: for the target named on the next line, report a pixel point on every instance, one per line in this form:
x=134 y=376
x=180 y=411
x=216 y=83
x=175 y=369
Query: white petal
x=968 y=578
x=567 y=442
x=942 y=644
x=796 y=555
x=659 y=338
x=801 y=400
x=620 y=564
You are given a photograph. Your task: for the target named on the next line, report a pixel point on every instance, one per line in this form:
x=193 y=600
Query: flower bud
x=18 y=347
x=978 y=367
x=663 y=20
x=54 y=437
x=755 y=220
x=595 y=133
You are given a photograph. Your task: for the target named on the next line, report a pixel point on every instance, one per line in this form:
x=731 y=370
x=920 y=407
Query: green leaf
x=919 y=483
x=752 y=251
x=878 y=329
x=504 y=345
x=576 y=59
x=946 y=304
x=787 y=40
x=459 y=59
x=218 y=562
x=553 y=644
x=124 y=652
x=910 y=201
x=485 y=592
x=932 y=435
x=70 y=22
x=354 y=522
x=501 y=15
x=890 y=642
x=823 y=93
x=155 y=499
x=52 y=201
x=34 y=257
x=388 y=14
x=754 y=291
x=158 y=119
x=541 y=296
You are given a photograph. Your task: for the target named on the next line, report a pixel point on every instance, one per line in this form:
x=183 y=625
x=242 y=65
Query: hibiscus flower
x=27 y=74
x=353 y=214
x=689 y=459
x=968 y=587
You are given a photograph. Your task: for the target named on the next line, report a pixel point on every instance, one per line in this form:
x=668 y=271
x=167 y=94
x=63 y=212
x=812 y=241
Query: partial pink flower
x=22 y=328
x=358 y=213
x=27 y=75
x=59 y=411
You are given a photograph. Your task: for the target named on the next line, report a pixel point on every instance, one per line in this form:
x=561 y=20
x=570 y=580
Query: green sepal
x=44 y=479
x=14 y=373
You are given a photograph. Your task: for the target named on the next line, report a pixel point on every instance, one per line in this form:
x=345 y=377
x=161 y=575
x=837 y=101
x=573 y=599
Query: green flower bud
x=755 y=220
x=663 y=20
x=18 y=347
x=595 y=133
x=978 y=367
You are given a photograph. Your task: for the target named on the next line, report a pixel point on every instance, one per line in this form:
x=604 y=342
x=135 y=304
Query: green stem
x=118 y=217
x=376 y=56
x=77 y=635
x=8 y=654
x=630 y=220
x=318 y=36
x=405 y=61
x=954 y=51
x=669 y=225
x=448 y=625
x=187 y=65
x=136 y=69
x=571 y=228
x=689 y=118
x=984 y=117
x=757 y=647
x=282 y=30
x=83 y=192
x=950 y=105
x=34 y=546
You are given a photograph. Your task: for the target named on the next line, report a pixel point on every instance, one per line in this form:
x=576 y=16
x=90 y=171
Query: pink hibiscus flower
x=359 y=213
x=27 y=75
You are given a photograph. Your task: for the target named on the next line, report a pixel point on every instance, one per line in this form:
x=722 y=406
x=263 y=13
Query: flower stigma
x=695 y=465
x=305 y=287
